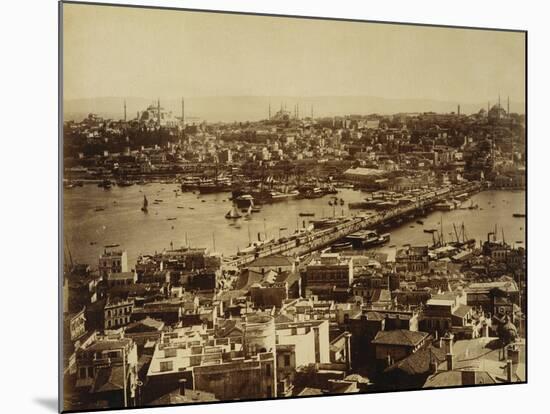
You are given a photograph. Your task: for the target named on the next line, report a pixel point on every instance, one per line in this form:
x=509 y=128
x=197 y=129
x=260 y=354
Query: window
x=166 y=366
x=268 y=369
x=82 y=373
x=286 y=360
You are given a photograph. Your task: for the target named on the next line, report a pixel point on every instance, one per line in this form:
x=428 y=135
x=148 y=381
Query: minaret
x=269 y=112
x=458 y=110
x=183 y=112
x=125 y=110
x=508 y=106
x=158 y=109
x=297 y=111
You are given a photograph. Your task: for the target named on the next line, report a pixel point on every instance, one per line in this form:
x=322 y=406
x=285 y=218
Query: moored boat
x=233 y=213
x=145 y=204
x=341 y=246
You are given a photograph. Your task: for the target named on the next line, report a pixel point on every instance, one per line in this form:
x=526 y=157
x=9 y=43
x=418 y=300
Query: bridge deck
x=321 y=238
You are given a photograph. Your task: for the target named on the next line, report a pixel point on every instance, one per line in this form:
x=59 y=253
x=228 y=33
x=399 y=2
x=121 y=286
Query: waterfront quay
x=315 y=240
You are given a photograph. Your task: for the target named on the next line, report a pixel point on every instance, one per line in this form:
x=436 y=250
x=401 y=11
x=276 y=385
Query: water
x=495 y=208
x=201 y=221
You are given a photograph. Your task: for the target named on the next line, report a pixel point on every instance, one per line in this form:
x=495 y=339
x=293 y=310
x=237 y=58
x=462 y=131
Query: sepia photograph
x=257 y=207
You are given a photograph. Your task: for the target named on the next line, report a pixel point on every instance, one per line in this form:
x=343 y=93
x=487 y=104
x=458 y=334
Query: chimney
x=182 y=386
x=448 y=343
x=509 y=370
x=433 y=367
x=450 y=362
x=469 y=377
x=433 y=363
x=347 y=350
x=513 y=354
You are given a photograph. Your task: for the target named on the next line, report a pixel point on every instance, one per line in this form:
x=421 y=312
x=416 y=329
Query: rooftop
x=419 y=362
x=191 y=396
x=399 y=337
x=455 y=378
x=276 y=260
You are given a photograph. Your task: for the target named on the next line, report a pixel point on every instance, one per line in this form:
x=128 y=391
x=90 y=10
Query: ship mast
x=441 y=236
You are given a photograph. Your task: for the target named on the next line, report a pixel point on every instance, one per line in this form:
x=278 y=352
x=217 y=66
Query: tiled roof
x=454 y=378
x=227 y=326
x=248 y=278
x=419 y=362
x=109 y=379
x=399 y=337
x=103 y=345
x=462 y=311
x=120 y=275
x=147 y=322
x=310 y=391
x=276 y=260
x=191 y=396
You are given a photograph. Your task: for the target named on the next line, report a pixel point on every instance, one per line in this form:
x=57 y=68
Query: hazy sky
x=118 y=51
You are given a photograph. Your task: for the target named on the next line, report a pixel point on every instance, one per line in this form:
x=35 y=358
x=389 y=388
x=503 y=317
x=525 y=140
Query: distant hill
x=253 y=108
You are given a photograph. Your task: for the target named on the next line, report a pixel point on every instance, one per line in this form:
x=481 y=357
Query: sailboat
x=233 y=213
x=145 y=204
x=248 y=214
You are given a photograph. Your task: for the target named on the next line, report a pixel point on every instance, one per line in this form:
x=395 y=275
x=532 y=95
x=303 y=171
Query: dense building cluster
x=314 y=313
x=178 y=327
x=375 y=151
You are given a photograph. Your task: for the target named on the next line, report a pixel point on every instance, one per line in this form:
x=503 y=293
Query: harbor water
x=94 y=218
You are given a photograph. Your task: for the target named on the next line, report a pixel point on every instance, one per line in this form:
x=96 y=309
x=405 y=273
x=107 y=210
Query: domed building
x=497 y=112
x=281 y=115
x=156 y=115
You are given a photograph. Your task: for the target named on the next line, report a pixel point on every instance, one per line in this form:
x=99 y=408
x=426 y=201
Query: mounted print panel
x=259 y=207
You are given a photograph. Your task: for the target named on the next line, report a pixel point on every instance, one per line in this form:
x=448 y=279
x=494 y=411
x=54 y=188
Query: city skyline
x=254 y=108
